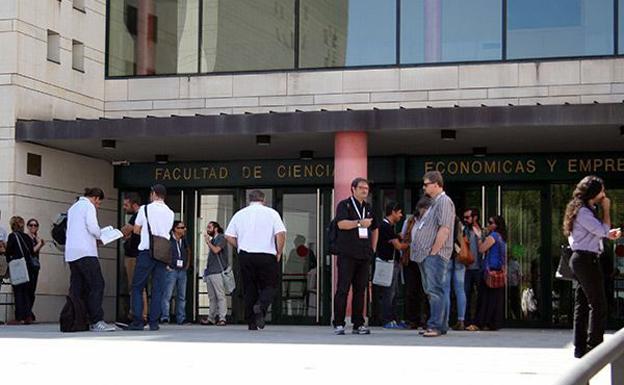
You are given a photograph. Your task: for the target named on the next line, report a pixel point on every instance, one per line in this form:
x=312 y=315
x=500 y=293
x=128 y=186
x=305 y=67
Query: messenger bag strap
x=149 y=229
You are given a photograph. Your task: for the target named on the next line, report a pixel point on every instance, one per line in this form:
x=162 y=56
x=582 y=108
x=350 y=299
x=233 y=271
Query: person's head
x=497 y=223
x=256 y=196
x=214 y=228
x=299 y=240
x=16 y=223
x=179 y=229
x=95 y=195
x=422 y=206
x=588 y=192
x=158 y=192
x=394 y=212
x=131 y=203
x=471 y=217
x=359 y=188
x=433 y=183
x=33 y=226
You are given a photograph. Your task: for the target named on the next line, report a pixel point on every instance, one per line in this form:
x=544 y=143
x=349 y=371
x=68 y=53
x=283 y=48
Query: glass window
x=551 y=28
x=450 y=30
x=148 y=37
x=621 y=26
x=347 y=33
x=246 y=35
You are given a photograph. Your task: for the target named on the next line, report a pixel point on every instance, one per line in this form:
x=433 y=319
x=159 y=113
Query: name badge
x=363 y=232
x=180 y=263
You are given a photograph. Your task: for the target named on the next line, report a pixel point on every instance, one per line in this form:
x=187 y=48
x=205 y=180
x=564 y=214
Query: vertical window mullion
x=297 y=27
x=200 y=30
x=504 y=32
x=398 y=32
x=616 y=27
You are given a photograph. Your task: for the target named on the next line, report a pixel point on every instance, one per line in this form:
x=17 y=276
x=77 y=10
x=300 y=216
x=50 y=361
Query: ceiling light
x=108 y=144
x=448 y=135
x=263 y=140
x=161 y=158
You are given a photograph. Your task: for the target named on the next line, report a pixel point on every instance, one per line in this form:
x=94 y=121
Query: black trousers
x=34 y=276
x=23 y=307
x=351 y=273
x=473 y=283
x=260 y=273
x=86 y=282
x=416 y=304
x=590 y=302
x=492 y=310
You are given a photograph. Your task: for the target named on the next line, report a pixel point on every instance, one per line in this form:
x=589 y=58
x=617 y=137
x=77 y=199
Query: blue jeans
x=472 y=283
x=456 y=272
x=387 y=295
x=145 y=266
x=177 y=279
x=436 y=273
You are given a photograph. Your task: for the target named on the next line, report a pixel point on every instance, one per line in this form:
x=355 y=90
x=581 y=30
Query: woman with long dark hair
x=490 y=314
x=37 y=243
x=19 y=245
x=586 y=230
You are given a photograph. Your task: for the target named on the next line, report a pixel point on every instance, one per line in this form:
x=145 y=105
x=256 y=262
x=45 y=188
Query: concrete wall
x=31 y=87
x=545 y=82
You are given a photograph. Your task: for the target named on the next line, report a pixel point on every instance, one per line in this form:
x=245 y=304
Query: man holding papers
x=83 y=233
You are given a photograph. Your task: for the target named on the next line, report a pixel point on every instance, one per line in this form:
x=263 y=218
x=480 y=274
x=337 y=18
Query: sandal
x=472 y=328
x=221 y=323
x=432 y=333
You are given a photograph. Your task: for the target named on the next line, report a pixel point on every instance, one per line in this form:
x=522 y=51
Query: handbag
x=465 y=255
x=227 y=275
x=383 y=272
x=17 y=267
x=563 y=270
x=160 y=247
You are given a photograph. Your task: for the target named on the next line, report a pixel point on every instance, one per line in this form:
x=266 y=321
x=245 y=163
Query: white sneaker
x=102 y=326
x=339 y=330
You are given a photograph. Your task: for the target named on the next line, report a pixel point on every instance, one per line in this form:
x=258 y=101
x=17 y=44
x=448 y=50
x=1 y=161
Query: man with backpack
x=86 y=280
x=356 y=242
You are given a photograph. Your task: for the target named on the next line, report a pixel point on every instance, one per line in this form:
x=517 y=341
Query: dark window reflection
x=450 y=30
x=551 y=28
x=347 y=33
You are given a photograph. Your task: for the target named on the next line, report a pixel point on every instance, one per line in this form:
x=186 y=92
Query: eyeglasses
x=491 y=222
x=33 y=225
x=467 y=217
x=181 y=227
x=425 y=184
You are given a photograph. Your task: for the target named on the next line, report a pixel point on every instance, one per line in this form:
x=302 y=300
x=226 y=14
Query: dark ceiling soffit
x=324 y=121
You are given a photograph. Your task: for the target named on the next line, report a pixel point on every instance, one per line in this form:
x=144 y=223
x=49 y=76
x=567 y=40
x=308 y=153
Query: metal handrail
x=610 y=351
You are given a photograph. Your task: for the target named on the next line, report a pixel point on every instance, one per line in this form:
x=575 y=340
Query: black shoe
x=259 y=315
x=164 y=321
x=135 y=326
x=252 y=327
x=154 y=327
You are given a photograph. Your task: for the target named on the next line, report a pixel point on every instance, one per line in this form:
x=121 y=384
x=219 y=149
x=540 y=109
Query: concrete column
x=145 y=45
x=350 y=162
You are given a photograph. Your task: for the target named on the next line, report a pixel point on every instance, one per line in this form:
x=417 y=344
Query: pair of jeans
x=260 y=273
x=472 y=281
x=145 y=266
x=436 y=279
x=387 y=295
x=456 y=272
x=354 y=273
x=175 y=278
x=590 y=302
x=416 y=306
x=87 y=283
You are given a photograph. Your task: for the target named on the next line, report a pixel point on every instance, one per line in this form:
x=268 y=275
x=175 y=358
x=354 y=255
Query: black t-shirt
x=385 y=249
x=131 y=245
x=349 y=242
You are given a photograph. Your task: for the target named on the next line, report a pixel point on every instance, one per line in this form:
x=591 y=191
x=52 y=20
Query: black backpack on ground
x=74 y=316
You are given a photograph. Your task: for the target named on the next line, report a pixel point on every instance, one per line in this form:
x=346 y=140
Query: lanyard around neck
x=362 y=215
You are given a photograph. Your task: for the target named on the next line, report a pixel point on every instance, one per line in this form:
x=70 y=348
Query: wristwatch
x=359 y=223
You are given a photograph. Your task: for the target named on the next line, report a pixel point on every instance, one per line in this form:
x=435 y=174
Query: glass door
x=218 y=207
x=300 y=299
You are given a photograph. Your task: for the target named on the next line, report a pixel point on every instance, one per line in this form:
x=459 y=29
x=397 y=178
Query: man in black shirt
x=131 y=205
x=357 y=240
x=387 y=250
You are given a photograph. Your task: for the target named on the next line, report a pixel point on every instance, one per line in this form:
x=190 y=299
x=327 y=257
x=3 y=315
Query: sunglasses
x=33 y=225
x=467 y=217
x=491 y=222
x=181 y=227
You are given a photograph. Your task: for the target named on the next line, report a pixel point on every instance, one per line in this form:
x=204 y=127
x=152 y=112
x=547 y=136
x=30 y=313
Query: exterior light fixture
x=479 y=151
x=448 y=135
x=306 y=155
x=263 y=140
x=108 y=144
x=161 y=158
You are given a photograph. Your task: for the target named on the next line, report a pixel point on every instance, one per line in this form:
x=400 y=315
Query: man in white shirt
x=259 y=235
x=160 y=223
x=86 y=280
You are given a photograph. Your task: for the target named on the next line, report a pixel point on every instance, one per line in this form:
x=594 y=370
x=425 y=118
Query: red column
x=145 y=44
x=350 y=162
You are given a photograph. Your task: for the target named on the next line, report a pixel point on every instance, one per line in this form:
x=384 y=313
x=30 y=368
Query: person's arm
x=139 y=221
x=11 y=247
x=214 y=248
x=587 y=220
x=398 y=245
x=92 y=223
x=486 y=244
x=280 y=241
x=38 y=245
x=441 y=237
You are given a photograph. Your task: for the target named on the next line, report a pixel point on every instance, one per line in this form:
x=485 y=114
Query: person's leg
x=250 y=288
x=144 y=266
x=412 y=305
x=587 y=270
x=94 y=282
x=360 y=284
x=498 y=316
x=435 y=268
x=130 y=264
x=469 y=283
x=394 y=290
x=158 y=281
x=169 y=283
x=212 y=297
x=181 y=296
x=20 y=297
x=220 y=298
x=450 y=269
x=460 y=293
x=34 y=277
x=267 y=274
x=345 y=269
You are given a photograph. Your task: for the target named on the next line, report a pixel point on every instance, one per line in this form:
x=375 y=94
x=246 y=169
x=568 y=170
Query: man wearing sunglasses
x=176 y=274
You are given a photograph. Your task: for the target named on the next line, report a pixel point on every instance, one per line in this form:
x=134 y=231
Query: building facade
x=513 y=101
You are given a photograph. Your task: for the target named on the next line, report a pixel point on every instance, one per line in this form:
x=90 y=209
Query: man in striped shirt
x=434 y=243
